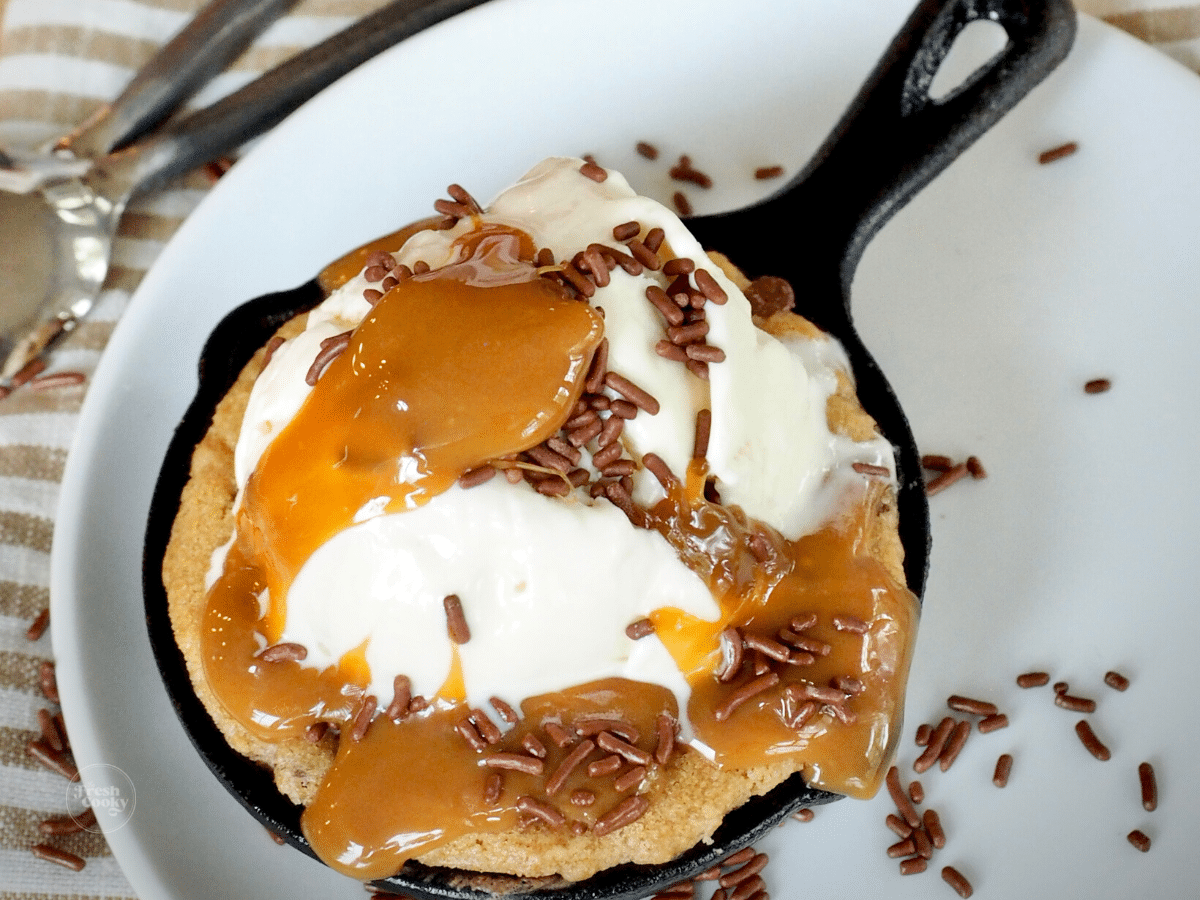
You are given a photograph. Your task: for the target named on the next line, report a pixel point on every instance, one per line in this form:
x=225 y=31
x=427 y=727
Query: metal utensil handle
x=895 y=137
x=252 y=110
x=205 y=46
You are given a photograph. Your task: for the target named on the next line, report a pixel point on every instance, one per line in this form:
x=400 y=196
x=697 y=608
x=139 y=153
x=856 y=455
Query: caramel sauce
x=410 y=786
x=472 y=362
x=342 y=269
x=826 y=573
x=444 y=374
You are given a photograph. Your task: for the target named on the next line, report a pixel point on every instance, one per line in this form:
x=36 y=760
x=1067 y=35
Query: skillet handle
x=206 y=45
x=895 y=138
x=254 y=109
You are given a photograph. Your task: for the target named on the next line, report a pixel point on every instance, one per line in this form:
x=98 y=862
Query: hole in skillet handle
x=892 y=141
x=229 y=348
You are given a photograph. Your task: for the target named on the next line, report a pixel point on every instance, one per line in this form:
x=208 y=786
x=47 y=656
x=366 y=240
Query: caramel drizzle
x=403 y=411
x=765 y=705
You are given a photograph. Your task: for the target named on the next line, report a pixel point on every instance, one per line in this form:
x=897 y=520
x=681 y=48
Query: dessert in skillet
x=536 y=548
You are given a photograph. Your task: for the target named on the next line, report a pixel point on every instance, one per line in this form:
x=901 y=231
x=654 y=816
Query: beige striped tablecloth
x=58 y=60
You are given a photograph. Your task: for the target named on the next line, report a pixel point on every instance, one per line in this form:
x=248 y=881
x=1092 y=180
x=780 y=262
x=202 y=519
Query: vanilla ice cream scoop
x=549 y=583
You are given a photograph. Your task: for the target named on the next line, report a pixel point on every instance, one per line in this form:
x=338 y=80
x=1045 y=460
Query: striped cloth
x=58 y=60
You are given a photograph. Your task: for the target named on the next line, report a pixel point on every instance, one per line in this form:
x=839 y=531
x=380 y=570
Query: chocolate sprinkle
x=993 y=723
x=516 y=762
x=933 y=827
x=1074 y=704
x=533 y=746
x=593 y=171
x=945 y=479
x=362 y=721
x=1056 y=153
x=631 y=392
x=665 y=727
x=732 y=646
x=472 y=736
x=58 y=826
x=970 y=705
x=624 y=813
x=1089 y=739
x=1003 y=770
x=685 y=171
x=56 y=380
x=708 y=286
x=703 y=429
x=637 y=630
x=493 y=788
x=456 y=621
x=56 y=762
x=572 y=761
x=331 y=348
x=505 y=711
x=477 y=476
x=937 y=462
x=1139 y=839
x=954 y=744
x=1116 y=681
x=657 y=467
x=1149 y=786
x=1033 y=679
x=64 y=858
x=27 y=372
x=608 y=741
x=647 y=150
x=605 y=766
x=38 y=626
x=626 y=230
x=956 y=880
x=629 y=779
x=594 y=725
x=744 y=693
x=282 y=652
x=904 y=804
x=540 y=810
x=51 y=734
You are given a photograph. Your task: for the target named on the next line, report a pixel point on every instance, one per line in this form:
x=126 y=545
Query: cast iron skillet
x=893 y=140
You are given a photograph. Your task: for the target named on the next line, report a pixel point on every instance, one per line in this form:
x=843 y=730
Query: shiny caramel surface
x=345 y=267
x=826 y=575
x=412 y=785
x=443 y=375
x=474 y=362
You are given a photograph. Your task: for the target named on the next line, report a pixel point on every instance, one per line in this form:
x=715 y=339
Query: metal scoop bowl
x=893 y=140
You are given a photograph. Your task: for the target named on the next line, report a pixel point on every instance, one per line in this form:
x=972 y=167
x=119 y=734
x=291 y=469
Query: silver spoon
x=57 y=240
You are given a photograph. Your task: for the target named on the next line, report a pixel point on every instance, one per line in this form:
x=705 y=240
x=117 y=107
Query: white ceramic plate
x=989 y=301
